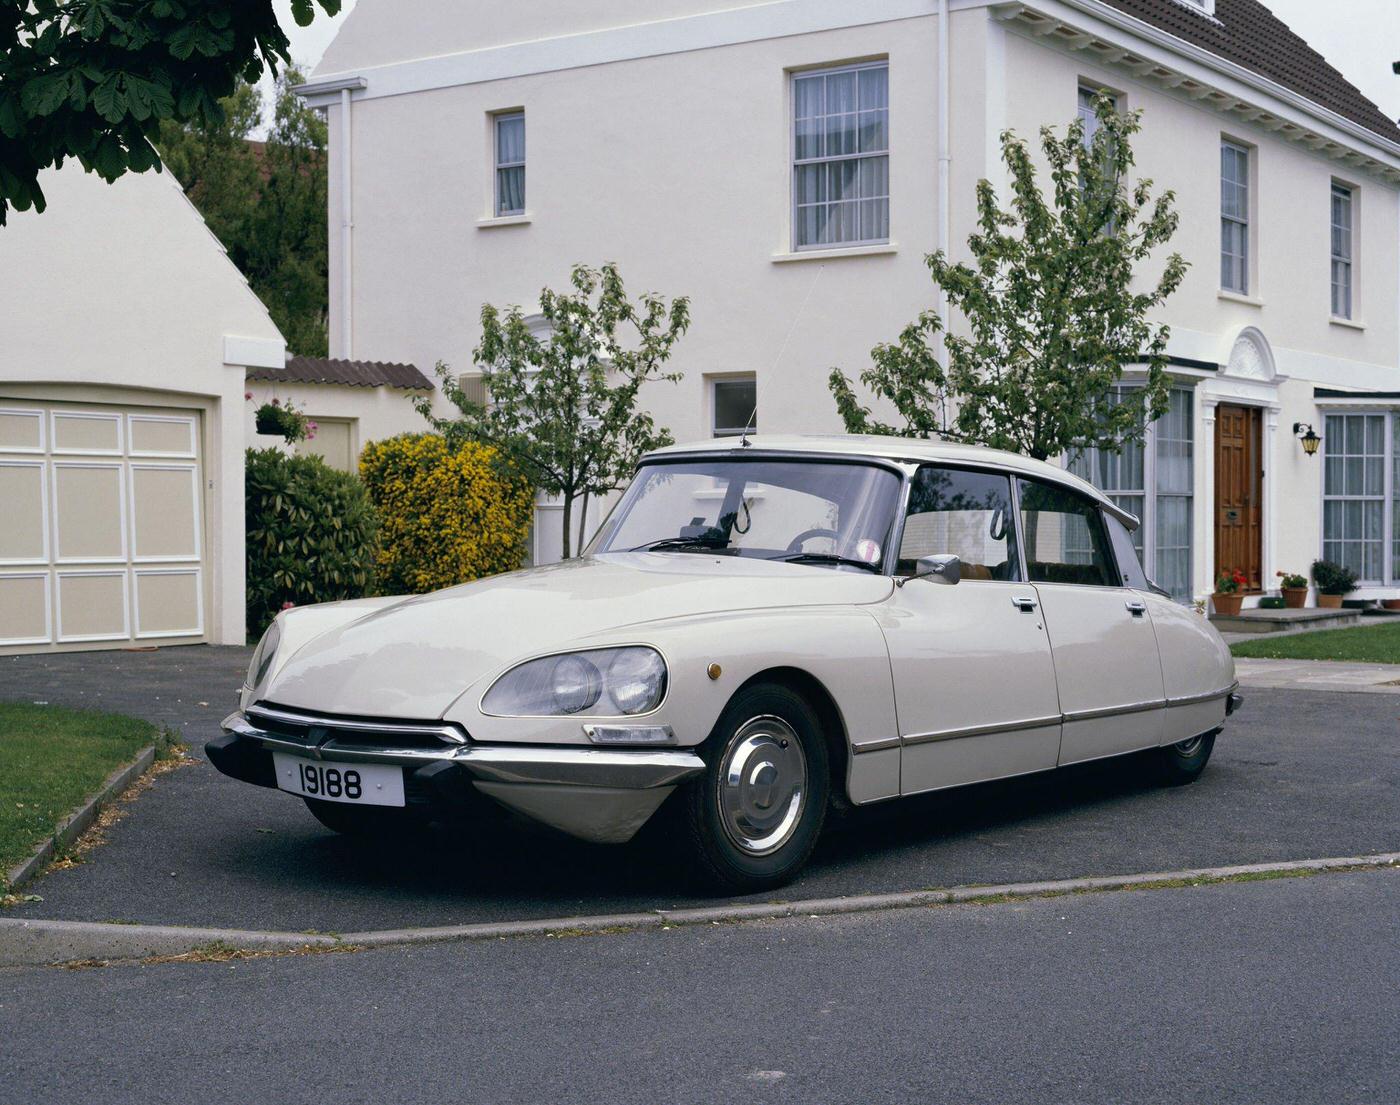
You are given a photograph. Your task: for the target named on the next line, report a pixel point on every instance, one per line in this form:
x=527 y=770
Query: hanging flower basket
x=276 y=419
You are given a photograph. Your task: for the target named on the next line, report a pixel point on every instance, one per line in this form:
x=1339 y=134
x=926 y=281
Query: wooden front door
x=1239 y=500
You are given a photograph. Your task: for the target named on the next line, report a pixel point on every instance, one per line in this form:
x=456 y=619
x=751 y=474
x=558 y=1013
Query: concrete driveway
x=1298 y=774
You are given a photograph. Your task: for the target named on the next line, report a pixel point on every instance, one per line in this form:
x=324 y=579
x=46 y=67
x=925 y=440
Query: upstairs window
x=733 y=406
x=1234 y=218
x=1342 y=208
x=510 y=163
x=841 y=162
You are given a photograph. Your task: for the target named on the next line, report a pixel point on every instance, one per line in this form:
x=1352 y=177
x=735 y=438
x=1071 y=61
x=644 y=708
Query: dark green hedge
x=311 y=534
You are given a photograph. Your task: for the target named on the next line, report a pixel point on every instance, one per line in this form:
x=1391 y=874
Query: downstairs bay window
x=1152 y=479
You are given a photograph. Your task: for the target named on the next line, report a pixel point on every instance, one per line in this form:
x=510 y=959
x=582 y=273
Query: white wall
x=119 y=293
x=376 y=413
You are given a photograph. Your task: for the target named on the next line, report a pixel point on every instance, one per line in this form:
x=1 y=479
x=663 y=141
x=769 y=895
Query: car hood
x=414 y=658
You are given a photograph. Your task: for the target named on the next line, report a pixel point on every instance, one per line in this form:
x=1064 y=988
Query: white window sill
x=1236 y=297
x=1349 y=323
x=503 y=220
x=875 y=250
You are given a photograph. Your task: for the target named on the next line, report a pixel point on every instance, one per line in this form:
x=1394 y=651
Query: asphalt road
x=1295 y=775
x=1265 y=992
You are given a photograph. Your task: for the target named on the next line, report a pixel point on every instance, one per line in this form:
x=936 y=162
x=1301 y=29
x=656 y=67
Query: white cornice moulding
x=331 y=88
x=255 y=352
x=684 y=34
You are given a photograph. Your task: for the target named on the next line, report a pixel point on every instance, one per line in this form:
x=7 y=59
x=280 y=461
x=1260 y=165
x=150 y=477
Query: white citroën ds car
x=765 y=627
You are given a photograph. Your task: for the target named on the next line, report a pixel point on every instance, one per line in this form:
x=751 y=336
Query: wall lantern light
x=1305 y=433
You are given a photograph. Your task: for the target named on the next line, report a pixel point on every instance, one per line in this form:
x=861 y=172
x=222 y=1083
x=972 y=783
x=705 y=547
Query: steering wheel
x=795 y=545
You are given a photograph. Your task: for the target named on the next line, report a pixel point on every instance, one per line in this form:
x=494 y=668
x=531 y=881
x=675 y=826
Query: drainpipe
x=347 y=224
x=945 y=156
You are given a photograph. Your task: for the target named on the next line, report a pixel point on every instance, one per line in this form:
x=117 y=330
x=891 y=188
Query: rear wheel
x=1184 y=761
x=753 y=818
x=364 y=821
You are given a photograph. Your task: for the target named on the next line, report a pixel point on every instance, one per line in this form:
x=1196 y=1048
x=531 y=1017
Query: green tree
x=93 y=79
x=1052 y=307
x=265 y=201
x=563 y=408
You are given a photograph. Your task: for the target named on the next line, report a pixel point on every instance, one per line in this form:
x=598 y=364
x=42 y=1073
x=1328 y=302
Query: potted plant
x=1333 y=581
x=277 y=419
x=1228 y=597
x=1295 y=590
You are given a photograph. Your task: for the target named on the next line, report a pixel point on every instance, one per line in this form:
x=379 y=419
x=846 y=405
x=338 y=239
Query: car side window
x=963 y=512
x=1064 y=536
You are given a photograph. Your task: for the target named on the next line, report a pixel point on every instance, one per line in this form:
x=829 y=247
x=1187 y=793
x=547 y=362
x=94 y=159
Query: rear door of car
x=1107 y=666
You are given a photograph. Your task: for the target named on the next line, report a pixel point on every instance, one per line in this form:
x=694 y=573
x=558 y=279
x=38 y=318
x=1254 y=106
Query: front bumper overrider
x=597 y=794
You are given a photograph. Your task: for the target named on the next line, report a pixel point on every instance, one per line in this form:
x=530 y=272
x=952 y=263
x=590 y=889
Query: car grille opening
x=289 y=723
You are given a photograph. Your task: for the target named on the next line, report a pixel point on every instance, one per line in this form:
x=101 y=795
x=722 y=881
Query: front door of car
x=1106 y=660
x=973 y=675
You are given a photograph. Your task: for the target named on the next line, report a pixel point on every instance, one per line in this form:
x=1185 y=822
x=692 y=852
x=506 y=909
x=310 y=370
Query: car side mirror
x=941 y=569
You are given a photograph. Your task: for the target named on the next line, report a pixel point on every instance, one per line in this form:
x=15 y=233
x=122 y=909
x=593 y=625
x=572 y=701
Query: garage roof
x=355 y=374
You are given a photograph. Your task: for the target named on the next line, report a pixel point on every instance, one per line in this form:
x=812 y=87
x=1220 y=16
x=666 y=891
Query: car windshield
x=806 y=511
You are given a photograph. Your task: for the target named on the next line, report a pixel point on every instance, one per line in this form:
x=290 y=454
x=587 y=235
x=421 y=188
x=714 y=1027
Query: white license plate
x=358 y=784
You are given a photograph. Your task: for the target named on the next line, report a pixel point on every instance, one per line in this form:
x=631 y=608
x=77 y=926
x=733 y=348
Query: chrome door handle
x=1136 y=607
x=1023 y=603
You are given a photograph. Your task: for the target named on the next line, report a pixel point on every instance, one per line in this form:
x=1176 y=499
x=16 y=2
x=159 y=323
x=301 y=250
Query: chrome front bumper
x=598 y=794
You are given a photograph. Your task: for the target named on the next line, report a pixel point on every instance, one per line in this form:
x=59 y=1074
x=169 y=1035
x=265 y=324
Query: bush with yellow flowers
x=447 y=513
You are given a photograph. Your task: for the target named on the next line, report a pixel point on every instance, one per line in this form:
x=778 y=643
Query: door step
x=1285 y=621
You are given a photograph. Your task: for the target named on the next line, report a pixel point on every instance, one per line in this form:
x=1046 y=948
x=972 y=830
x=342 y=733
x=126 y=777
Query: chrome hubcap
x=1188 y=748
x=762 y=785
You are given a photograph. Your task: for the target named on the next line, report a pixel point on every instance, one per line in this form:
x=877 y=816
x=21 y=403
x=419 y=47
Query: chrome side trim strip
x=1114 y=711
x=875 y=746
x=983 y=730
x=1207 y=696
x=451 y=734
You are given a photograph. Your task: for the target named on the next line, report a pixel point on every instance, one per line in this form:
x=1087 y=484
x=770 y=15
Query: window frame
x=1244 y=221
x=497 y=165
x=1340 y=190
x=795 y=163
x=1390 y=516
x=712 y=384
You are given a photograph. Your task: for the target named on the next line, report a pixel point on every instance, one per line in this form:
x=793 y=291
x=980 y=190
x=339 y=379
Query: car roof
x=880 y=447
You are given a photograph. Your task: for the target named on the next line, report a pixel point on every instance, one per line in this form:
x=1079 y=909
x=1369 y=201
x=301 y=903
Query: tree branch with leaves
x=562 y=405
x=1053 y=305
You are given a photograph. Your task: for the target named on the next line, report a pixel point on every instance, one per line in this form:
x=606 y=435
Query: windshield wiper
x=826 y=558
x=680 y=544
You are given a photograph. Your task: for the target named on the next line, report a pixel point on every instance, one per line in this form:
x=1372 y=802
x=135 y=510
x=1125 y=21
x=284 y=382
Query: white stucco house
x=789 y=163
x=128 y=342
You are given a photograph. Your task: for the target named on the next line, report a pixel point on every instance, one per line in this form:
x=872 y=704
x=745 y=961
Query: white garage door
x=101 y=526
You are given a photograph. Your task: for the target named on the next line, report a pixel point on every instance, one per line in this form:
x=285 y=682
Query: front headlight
x=599 y=682
x=264 y=654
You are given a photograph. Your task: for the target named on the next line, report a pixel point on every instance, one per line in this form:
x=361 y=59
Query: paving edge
x=78 y=822
x=29 y=943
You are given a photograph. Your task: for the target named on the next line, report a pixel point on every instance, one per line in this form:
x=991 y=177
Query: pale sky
x=1359 y=37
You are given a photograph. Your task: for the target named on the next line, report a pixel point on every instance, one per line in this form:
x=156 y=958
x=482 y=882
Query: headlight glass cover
x=602 y=682
x=264 y=654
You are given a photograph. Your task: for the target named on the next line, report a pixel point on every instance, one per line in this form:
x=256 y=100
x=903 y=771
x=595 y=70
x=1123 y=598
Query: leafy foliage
x=311 y=534
x=563 y=408
x=448 y=514
x=93 y=79
x=1333 y=578
x=266 y=202
x=1050 y=306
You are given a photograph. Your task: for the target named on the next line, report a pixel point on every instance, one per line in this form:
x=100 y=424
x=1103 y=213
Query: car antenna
x=744 y=442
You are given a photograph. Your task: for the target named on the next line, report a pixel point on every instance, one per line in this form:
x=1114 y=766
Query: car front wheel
x=753 y=818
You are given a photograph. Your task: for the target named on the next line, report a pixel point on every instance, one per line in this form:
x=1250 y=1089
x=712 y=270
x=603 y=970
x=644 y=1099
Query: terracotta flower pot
x=1390 y=604
x=1332 y=602
x=1295 y=598
x=1227 y=604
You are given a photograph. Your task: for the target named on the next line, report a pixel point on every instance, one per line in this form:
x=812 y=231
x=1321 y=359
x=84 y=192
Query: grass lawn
x=51 y=759
x=1367 y=644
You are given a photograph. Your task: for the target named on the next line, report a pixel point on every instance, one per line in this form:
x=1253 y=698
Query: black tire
x=364 y=821
x=1182 y=763
x=757 y=835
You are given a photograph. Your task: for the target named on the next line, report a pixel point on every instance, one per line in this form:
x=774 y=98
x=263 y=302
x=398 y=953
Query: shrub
x=311 y=534
x=1333 y=579
x=448 y=514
